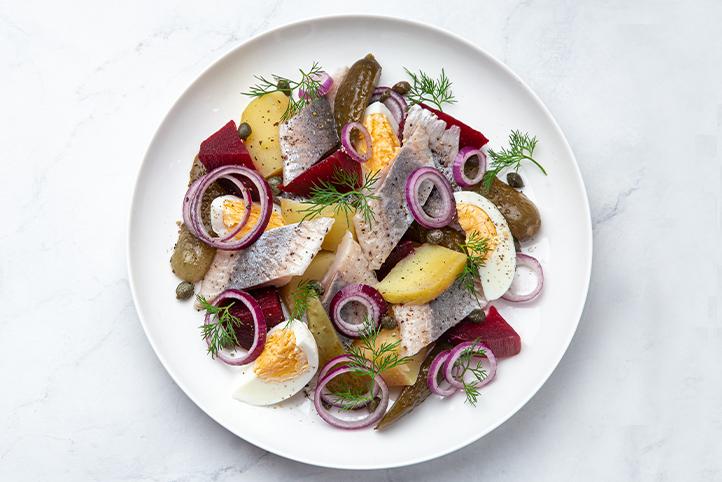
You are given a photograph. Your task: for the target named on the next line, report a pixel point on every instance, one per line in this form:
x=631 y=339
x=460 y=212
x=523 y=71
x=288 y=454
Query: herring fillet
x=349 y=267
x=273 y=259
x=306 y=137
x=420 y=325
x=391 y=215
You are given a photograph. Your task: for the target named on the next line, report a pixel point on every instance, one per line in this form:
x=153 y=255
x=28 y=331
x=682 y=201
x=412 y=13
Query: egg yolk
x=473 y=218
x=281 y=360
x=233 y=212
x=384 y=143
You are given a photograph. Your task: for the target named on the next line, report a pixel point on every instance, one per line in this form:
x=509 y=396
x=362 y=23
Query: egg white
x=216 y=213
x=380 y=108
x=255 y=391
x=497 y=274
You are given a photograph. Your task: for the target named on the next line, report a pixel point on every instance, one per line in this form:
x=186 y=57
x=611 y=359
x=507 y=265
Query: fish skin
x=420 y=325
x=306 y=138
x=273 y=259
x=391 y=214
x=349 y=267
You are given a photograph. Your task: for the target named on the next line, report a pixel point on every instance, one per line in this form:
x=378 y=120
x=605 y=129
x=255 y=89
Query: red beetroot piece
x=494 y=332
x=468 y=135
x=324 y=171
x=402 y=250
x=225 y=148
x=270 y=303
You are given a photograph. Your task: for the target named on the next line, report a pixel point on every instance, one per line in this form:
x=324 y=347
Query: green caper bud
x=384 y=96
x=477 y=316
x=388 y=321
x=517 y=245
x=402 y=87
x=284 y=86
x=184 y=290
x=316 y=286
x=435 y=236
x=373 y=404
x=244 y=130
x=514 y=180
x=275 y=183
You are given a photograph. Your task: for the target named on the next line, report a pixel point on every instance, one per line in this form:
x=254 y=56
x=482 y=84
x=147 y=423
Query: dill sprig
x=219 y=333
x=467 y=366
x=521 y=147
x=301 y=296
x=308 y=81
x=369 y=360
x=355 y=198
x=476 y=249
x=428 y=90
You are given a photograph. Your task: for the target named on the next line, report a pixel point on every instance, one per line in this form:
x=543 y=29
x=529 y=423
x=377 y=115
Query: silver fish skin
x=349 y=267
x=273 y=259
x=422 y=324
x=306 y=137
x=391 y=214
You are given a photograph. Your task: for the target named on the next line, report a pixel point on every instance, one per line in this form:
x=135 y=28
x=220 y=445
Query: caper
x=477 y=316
x=384 y=96
x=184 y=290
x=388 y=321
x=373 y=404
x=514 y=180
x=435 y=236
x=284 y=86
x=275 y=183
x=402 y=87
x=517 y=245
x=316 y=286
x=244 y=130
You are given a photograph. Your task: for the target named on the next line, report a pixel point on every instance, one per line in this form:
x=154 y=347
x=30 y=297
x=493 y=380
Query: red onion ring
x=369 y=297
x=458 y=167
x=194 y=197
x=457 y=352
x=333 y=420
x=432 y=379
x=443 y=187
x=327 y=396
x=395 y=103
x=347 y=144
x=534 y=265
x=324 y=85
x=259 y=327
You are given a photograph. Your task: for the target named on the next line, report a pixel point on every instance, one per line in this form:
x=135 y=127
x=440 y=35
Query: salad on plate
x=346 y=242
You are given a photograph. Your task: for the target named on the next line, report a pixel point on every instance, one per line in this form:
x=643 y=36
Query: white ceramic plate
x=492 y=99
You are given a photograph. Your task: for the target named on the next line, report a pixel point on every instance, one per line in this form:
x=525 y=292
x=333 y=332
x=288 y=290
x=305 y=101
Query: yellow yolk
x=281 y=359
x=384 y=143
x=233 y=212
x=473 y=218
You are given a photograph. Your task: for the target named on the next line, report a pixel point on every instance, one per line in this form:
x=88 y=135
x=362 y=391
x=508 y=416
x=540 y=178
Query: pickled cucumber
x=355 y=91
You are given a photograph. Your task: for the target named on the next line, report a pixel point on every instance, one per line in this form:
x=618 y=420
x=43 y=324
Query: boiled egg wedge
x=480 y=219
x=383 y=129
x=288 y=362
x=228 y=210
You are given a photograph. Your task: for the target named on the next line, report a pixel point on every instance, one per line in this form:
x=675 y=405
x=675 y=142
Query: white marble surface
x=637 y=87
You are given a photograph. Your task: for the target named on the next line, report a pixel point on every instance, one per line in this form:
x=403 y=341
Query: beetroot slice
x=225 y=148
x=323 y=171
x=270 y=303
x=468 y=135
x=494 y=332
x=402 y=250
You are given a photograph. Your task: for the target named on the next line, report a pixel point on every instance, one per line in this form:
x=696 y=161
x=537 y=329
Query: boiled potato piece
x=329 y=346
x=423 y=275
x=264 y=114
x=293 y=213
x=315 y=271
x=403 y=374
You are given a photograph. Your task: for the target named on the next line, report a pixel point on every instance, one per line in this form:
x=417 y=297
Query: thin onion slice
x=193 y=201
x=324 y=85
x=536 y=268
x=457 y=352
x=446 y=209
x=458 y=167
x=347 y=143
x=327 y=396
x=259 y=327
x=432 y=379
x=331 y=419
x=395 y=103
x=368 y=297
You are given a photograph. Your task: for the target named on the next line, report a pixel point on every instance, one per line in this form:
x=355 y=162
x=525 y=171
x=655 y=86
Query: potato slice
x=293 y=213
x=423 y=275
x=315 y=271
x=264 y=114
x=403 y=374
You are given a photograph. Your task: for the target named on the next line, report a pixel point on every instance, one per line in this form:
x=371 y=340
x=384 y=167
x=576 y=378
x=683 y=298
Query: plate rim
x=579 y=309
